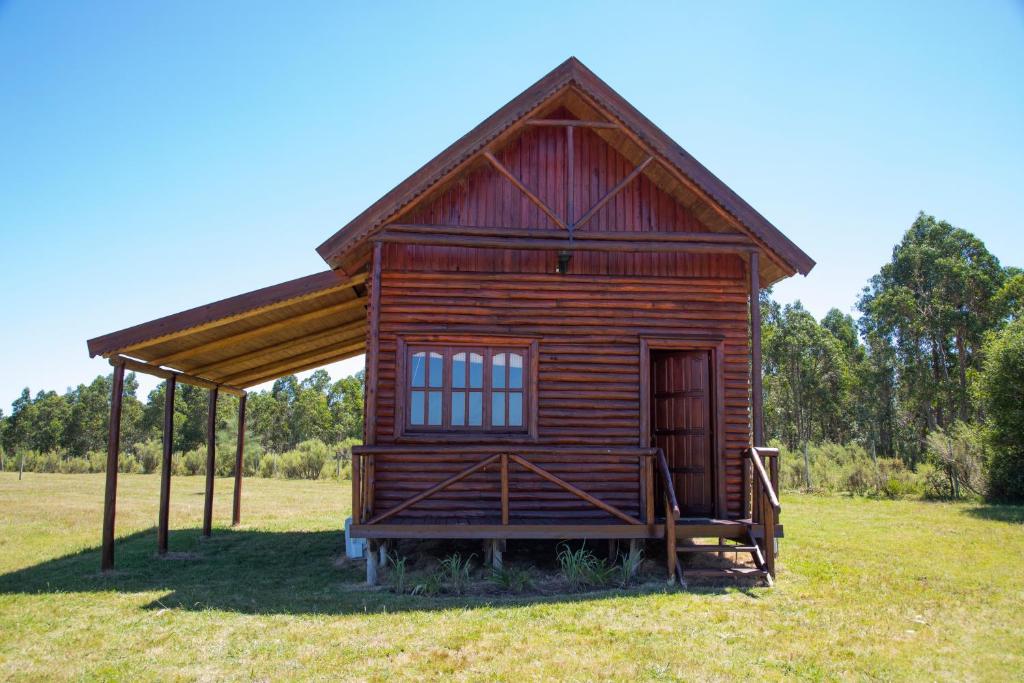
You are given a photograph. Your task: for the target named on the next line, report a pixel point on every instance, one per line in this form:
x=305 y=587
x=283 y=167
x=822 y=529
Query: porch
x=500 y=492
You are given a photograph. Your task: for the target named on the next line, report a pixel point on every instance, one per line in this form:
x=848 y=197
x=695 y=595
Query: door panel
x=681 y=425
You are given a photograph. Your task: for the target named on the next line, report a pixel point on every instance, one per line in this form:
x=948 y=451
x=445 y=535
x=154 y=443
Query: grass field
x=867 y=589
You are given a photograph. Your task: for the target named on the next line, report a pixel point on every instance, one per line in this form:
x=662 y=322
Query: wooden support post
x=113 y=450
x=757 y=397
x=357 y=489
x=236 y=509
x=211 y=462
x=371 y=563
x=497 y=554
x=670 y=543
x=372 y=350
x=165 y=466
x=635 y=546
x=613 y=550
x=382 y=555
x=504 y=489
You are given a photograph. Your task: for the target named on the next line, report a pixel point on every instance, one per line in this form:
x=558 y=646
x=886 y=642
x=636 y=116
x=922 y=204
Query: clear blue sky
x=154 y=157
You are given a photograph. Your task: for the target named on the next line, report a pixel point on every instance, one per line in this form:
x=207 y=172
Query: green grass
x=867 y=589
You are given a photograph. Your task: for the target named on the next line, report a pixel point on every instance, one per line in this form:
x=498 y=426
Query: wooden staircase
x=732 y=536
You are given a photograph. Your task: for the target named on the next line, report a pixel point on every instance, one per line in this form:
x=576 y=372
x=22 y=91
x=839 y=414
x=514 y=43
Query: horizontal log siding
x=588 y=327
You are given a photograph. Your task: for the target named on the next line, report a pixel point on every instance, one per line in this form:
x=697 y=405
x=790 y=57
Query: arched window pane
x=436 y=369
x=515 y=371
x=417 y=371
x=476 y=371
x=498 y=371
x=459 y=370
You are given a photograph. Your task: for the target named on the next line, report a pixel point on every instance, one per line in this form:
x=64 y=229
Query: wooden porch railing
x=765 y=507
x=363 y=477
x=672 y=513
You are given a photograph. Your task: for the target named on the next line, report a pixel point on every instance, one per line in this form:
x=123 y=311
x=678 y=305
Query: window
x=467 y=389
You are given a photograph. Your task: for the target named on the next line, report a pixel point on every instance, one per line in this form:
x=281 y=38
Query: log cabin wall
x=587 y=323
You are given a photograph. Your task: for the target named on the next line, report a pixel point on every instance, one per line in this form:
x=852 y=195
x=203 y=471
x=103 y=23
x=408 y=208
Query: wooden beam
x=236 y=508
x=571 y=123
x=525 y=190
x=211 y=462
x=555 y=532
x=339 y=333
x=347 y=352
x=113 y=450
x=578 y=243
x=504 y=489
x=163 y=373
x=612 y=192
x=234 y=339
x=372 y=350
x=220 y=313
x=278 y=368
x=732 y=238
x=757 y=397
x=570 y=177
x=165 y=466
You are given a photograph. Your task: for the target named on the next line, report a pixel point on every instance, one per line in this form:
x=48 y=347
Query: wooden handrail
x=766 y=482
x=670 y=490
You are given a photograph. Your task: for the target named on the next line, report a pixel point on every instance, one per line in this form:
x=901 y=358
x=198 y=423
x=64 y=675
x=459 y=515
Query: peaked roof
x=354 y=236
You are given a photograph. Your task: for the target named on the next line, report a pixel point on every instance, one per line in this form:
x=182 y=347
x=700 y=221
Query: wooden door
x=681 y=425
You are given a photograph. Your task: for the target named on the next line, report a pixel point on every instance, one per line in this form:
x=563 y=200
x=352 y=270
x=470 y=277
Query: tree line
x=929 y=374
x=921 y=392
x=68 y=432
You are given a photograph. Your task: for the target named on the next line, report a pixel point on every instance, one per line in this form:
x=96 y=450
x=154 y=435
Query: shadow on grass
x=1011 y=514
x=258 y=572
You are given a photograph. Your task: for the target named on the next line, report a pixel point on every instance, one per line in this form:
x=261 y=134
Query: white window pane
x=459 y=370
x=498 y=371
x=417 y=370
x=476 y=371
x=476 y=408
x=515 y=409
x=458 y=408
x=436 y=366
x=434 y=413
x=515 y=371
x=416 y=408
x=497 y=409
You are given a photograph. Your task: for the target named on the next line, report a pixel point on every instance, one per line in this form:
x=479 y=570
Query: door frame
x=716 y=346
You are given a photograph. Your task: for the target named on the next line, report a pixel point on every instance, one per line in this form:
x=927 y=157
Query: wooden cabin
x=562 y=335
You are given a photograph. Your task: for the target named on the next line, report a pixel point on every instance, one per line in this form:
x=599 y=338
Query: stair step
x=707 y=548
x=729 y=571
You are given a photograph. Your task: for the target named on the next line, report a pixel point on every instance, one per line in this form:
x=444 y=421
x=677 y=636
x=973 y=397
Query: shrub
x=270 y=465
x=629 y=565
x=957 y=453
x=97 y=461
x=74 y=466
x=306 y=461
x=398 y=571
x=149 y=454
x=194 y=461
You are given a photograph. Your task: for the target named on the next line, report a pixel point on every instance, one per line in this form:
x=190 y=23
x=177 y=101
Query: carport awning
x=250 y=338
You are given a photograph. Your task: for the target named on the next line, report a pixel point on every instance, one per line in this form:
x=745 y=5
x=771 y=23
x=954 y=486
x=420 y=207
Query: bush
x=837 y=468
x=194 y=461
x=957 y=454
x=97 y=461
x=127 y=464
x=149 y=454
x=74 y=466
x=270 y=465
x=306 y=461
x=582 y=569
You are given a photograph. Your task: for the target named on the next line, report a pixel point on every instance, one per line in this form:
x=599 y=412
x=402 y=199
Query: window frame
x=448 y=347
